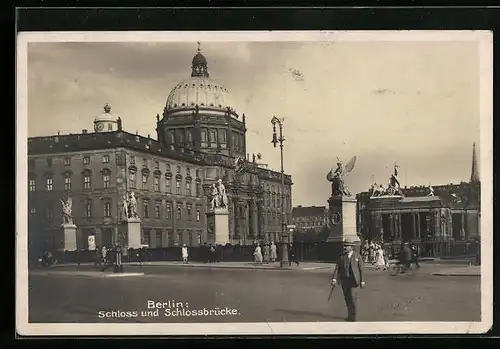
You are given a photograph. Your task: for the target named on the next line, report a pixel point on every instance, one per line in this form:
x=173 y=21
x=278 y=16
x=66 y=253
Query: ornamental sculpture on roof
x=393 y=189
x=337 y=177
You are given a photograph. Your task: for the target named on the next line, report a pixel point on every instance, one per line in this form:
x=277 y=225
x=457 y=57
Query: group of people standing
x=268 y=253
x=374 y=253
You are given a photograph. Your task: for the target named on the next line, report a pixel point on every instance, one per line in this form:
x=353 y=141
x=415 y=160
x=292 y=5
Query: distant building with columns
x=441 y=214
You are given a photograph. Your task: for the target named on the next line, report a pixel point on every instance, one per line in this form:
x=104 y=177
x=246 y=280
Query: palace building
x=199 y=138
x=436 y=216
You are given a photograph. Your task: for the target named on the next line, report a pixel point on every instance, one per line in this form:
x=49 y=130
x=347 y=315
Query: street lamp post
x=284 y=263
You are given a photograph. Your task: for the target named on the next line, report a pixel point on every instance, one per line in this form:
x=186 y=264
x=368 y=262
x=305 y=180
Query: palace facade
x=199 y=138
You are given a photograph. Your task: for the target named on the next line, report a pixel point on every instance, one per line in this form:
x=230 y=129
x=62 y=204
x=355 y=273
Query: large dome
x=201 y=91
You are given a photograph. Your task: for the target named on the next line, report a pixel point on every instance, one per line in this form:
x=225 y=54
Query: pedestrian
x=184 y=254
x=349 y=274
x=274 y=254
x=211 y=254
x=372 y=252
x=104 y=257
x=380 y=258
x=125 y=254
x=405 y=257
x=414 y=255
x=266 y=253
x=118 y=259
x=257 y=254
x=292 y=255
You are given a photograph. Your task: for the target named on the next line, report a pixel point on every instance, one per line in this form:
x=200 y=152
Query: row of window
x=309 y=219
x=181 y=211
x=274 y=218
x=168 y=184
x=68 y=180
x=106 y=180
x=274 y=200
x=67 y=161
x=145 y=161
x=106 y=160
x=310 y=224
x=210 y=138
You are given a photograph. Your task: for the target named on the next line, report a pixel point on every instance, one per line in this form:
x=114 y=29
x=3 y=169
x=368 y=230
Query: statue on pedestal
x=124 y=209
x=132 y=206
x=67 y=211
x=218 y=198
x=214 y=198
x=337 y=177
x=222 y=194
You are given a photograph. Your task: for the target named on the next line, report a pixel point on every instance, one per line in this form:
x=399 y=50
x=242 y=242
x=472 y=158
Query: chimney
x=84 y=131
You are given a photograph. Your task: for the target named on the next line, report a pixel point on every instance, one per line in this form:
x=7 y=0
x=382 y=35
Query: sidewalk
x=236 y=265
x=87 y=273
x=473 y=270
x=250 y=265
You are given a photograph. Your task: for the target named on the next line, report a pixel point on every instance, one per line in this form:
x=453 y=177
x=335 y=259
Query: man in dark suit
x=349 y=274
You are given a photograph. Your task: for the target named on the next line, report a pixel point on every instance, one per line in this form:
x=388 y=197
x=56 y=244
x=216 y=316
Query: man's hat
x=349 y=242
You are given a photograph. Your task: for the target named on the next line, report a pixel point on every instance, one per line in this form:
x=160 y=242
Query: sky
x=413 y=103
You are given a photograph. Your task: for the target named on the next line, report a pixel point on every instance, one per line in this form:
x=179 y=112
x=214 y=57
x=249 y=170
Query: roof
x=420 y=199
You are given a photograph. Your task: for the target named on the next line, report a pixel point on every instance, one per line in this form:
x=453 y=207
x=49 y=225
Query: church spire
x=474 y=176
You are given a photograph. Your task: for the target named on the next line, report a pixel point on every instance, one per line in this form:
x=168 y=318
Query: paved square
x=252 y=295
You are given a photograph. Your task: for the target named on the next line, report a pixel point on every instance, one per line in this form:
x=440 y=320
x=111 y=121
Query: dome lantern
x=199 y=65
x=106 y=122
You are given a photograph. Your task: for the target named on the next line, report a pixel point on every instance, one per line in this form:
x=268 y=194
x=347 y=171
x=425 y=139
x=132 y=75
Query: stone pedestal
x=69 y=237
x=130 y=233
x=342 y=219
x=218 y=226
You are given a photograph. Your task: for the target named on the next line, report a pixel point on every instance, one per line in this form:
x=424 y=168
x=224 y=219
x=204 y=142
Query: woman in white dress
x=380 y=259
x=274 y=253
x=185 y=254
x=257 y=254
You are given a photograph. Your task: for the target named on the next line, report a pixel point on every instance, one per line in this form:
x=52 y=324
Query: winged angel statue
x=67 y=210
x=337 y=177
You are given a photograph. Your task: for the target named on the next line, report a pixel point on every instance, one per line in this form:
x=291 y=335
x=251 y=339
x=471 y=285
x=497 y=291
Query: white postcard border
x=485 y=39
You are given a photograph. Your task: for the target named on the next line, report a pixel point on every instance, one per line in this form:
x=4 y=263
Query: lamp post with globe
x=284 y=263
